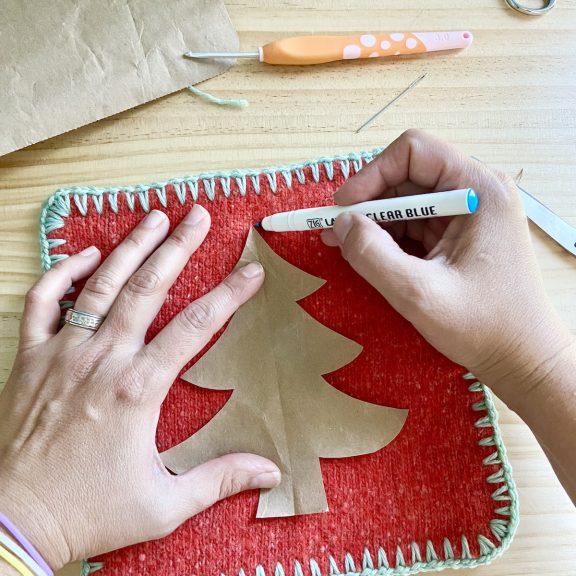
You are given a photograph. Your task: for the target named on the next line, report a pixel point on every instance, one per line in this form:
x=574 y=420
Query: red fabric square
x=439 y=495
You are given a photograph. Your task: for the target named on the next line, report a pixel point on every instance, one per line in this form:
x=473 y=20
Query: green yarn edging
x=59 y=205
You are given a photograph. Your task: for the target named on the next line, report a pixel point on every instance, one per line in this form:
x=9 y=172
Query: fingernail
x=154 y=219
x=252 y=270
x=195 y=216
x=266 y=479
x=328 y=238
x=342 y=227
x=89 y=251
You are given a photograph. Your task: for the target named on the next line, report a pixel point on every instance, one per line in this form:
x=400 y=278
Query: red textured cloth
x=429 y=484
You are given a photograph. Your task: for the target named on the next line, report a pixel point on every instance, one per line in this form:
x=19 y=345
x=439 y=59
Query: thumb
x=375 y=255
x=222 y=477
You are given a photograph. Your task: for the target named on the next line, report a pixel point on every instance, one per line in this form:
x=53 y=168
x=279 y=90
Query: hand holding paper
x=273 y=355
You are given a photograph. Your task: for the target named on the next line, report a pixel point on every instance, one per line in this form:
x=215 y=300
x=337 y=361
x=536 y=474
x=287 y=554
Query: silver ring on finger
x=83 y=319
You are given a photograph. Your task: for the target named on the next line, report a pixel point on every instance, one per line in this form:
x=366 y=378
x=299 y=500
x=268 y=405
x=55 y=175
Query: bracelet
x=7 y=524
x=20 y=553
x=15 y=562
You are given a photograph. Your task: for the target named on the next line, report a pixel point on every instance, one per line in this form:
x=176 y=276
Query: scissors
x=531 y=11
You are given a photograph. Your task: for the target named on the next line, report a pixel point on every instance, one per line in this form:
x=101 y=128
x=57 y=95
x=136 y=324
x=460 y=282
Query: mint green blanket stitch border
x=376 y=563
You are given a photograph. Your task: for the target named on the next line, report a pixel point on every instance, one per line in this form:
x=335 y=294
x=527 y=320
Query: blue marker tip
x=258 y=225
x=472 y=200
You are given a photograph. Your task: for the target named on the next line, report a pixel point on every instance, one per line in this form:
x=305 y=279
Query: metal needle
x=404 y=92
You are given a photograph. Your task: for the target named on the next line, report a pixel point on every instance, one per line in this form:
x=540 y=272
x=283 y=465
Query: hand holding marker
x=452 y=203
x=306 y=50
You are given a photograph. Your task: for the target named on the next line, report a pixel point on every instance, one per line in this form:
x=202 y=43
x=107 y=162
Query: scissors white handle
x=558 y=229
x=532 y=11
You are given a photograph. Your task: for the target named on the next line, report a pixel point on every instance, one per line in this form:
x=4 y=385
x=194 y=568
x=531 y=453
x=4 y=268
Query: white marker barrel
x=433 y=205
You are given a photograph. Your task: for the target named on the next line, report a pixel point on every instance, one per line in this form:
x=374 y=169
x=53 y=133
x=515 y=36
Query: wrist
x=34 y=521
x=552 y=384
x=523 y=372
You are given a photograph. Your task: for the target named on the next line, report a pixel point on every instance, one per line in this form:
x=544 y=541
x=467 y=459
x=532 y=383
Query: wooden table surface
x=510 y=100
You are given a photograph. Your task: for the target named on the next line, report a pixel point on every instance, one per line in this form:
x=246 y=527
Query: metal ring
x=531 y=11
x=83 y=319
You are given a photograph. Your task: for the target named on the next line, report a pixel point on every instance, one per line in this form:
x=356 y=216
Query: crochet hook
x=306 y=50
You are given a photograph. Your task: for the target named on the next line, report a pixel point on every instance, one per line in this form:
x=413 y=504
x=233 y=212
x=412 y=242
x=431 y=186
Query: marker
x=436 y=204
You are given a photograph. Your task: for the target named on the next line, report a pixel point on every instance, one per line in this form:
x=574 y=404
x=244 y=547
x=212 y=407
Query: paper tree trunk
x=273 y=355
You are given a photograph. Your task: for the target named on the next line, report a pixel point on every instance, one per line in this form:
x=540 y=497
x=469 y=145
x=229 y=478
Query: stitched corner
x=427 y=558
x=422 y=557
x=189 y=188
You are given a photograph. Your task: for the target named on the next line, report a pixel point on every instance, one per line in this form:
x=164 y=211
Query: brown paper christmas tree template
x=273 y=355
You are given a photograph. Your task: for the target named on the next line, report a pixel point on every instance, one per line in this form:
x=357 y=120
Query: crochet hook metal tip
x=222 y=55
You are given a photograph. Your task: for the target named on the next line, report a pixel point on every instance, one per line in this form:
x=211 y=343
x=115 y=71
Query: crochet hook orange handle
x=304 y=50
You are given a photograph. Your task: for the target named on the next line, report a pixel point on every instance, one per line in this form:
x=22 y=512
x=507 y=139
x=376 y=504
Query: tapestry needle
x=393 y=101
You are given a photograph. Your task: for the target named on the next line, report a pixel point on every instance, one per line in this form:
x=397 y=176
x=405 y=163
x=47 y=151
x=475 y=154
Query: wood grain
x=509 y=100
